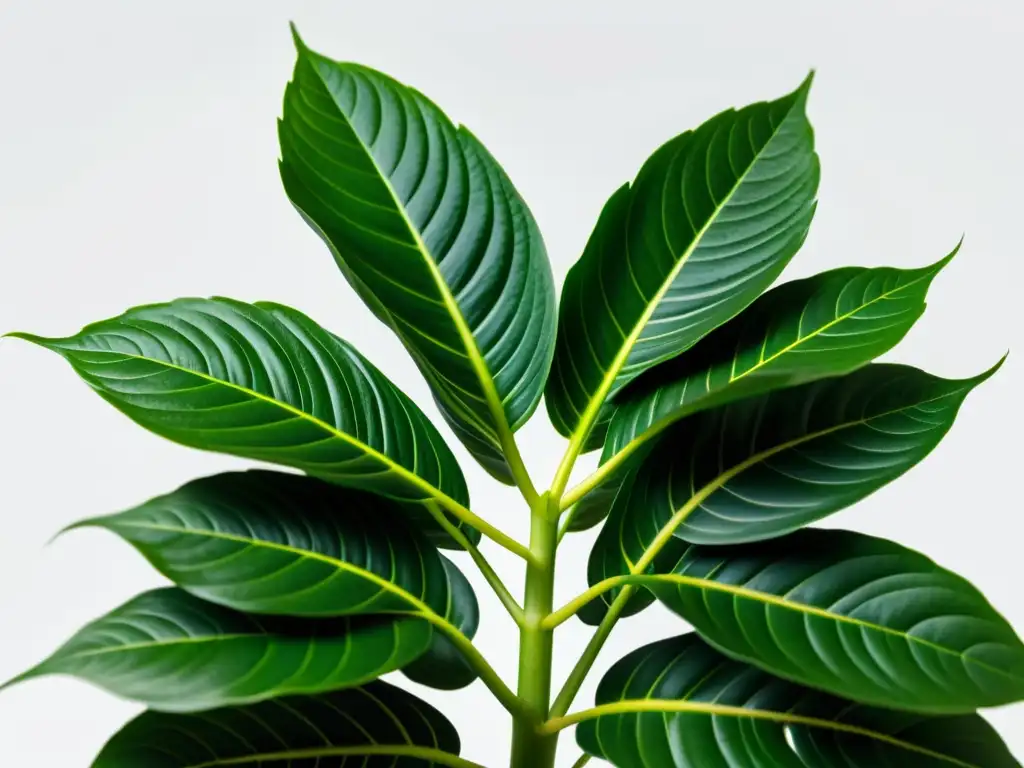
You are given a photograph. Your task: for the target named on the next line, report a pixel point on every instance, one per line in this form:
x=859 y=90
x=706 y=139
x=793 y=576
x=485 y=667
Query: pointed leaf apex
x=800 y=94
x=983 y=377
x=300 y=44
x=938 y=265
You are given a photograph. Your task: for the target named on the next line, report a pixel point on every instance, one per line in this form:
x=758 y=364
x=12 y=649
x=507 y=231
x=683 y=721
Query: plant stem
x=579 y=672
x=492 y=578
x=530 y=747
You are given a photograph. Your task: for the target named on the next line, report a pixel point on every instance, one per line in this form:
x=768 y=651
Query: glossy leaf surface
x=766 y=466
x=265 y=382
x=710 y=221
x=270 y=543
x=430 y=231
x=177 y=653
x=704 y=710
x=860 y=617
x=825 y=325
x=375 y=726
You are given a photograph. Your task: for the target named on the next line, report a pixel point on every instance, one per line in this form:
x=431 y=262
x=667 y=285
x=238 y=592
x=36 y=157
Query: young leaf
x=763 y=467
x=265 y=382
x=680 y=703
x=803 y=330
x=272 y=543
x=177 y=653
x=857 y=616
x=431 y=233
x=374 y=726
x=710 y=221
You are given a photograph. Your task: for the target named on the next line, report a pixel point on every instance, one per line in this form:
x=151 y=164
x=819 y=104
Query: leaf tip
x=982 y=377
x=300 y=45
x=800 y=94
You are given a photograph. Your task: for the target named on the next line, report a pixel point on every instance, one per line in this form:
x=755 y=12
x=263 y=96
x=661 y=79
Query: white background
x=138 y=163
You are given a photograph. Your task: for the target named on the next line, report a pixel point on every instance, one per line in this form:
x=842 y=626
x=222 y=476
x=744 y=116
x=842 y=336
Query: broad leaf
x=807 y=329
x=710 y=221
x=376 y=726
x=270 y=543
x=430 y=231
x=861 y=617
x=177 y=653
x=265 y=382
x=680 y=704
x=768 y=465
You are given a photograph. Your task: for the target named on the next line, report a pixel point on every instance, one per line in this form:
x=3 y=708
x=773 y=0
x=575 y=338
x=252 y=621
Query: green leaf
x=803 y=330
x=265 y=382
x=271 y=543
x=593 y=508
x=375 y=726
x=710 y=221
x=857 y=616
x=431 y=233
x=768 y=465
x=177 y=653
x=680 y=703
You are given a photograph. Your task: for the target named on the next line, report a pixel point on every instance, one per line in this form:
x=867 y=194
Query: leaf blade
x=176 y=653
x=857 y=616
x=825 y=325
x=378 y=722
x=378 y=170
x=224 y=376
x=655 y=311
x=270 y=543
x=817 y=449
x=680 y=703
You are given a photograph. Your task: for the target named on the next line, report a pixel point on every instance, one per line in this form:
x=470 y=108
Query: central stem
x=530 y=748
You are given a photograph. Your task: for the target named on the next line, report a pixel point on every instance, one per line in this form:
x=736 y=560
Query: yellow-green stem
x=530 y=747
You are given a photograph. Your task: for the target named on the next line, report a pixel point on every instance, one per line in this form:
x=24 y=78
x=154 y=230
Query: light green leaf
x=857 y=616
x=431 y=233
x=710 y=221
x=825 y=325
x=375 y=726
x=678 y=703
x=765 y=466
x=271 y=543
x=177 y=653
x=265 y=382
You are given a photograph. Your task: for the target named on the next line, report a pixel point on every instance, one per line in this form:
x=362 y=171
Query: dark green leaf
x=177 y=653
x=702 y=710
x=271 y=543
x=376 y=726
x=861 y=617
x=807 y=329
x=765 y=466
x=593 y=508
x=265 y=382
x=430 y=231
x=710 y=221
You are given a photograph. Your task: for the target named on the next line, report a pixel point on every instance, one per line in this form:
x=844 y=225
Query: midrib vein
x=593 y=407
x=477 y=362
x=766 y=597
